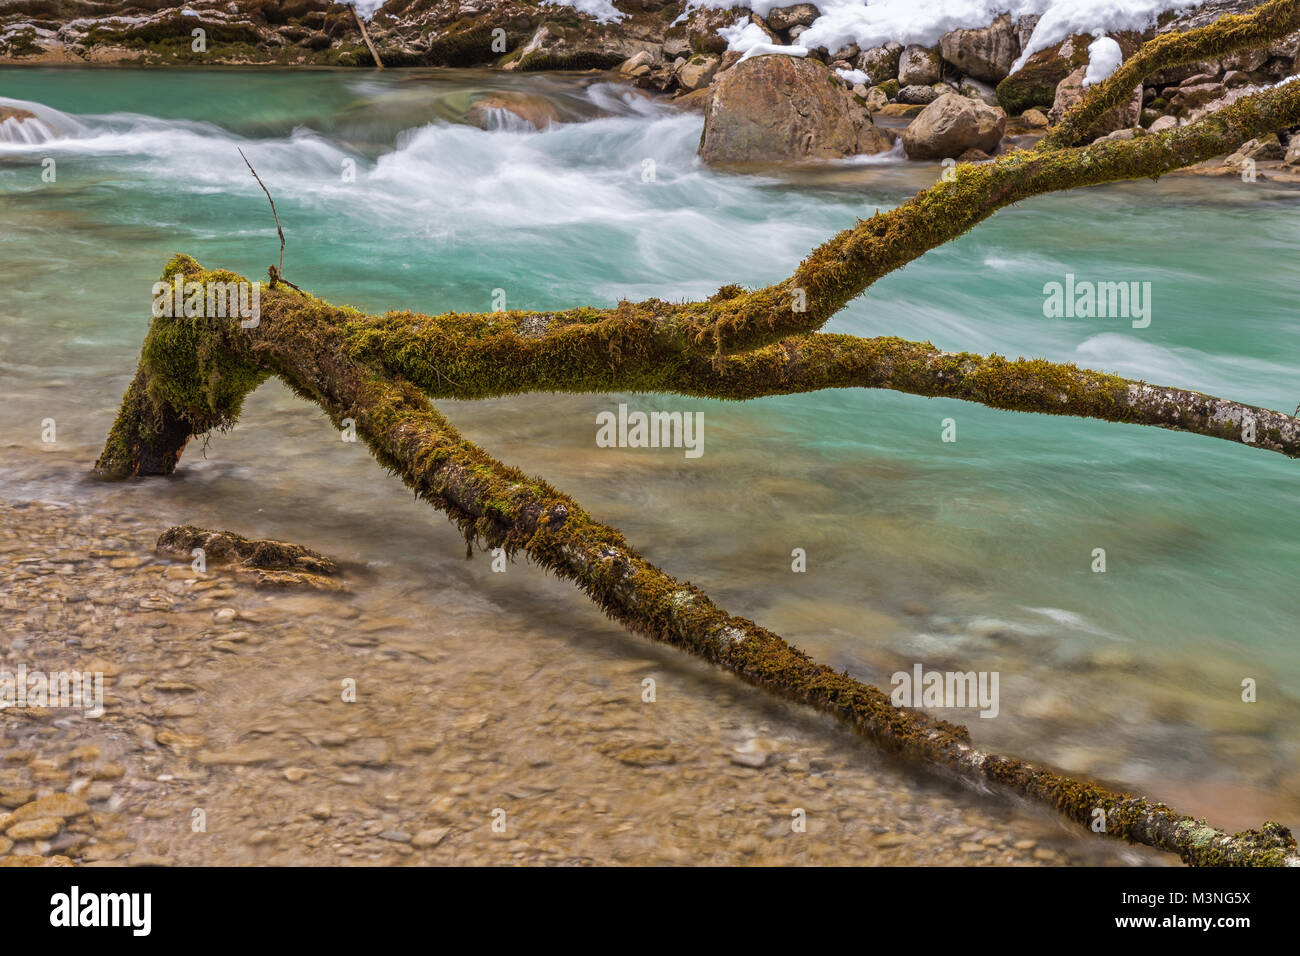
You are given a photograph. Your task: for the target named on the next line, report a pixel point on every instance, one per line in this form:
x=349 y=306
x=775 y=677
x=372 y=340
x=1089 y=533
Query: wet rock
x=11 y=798
x=537 y=111
x=653 y=754
x=29 y=859
x=41 y=829
x=951 y=125
x=775 y=108
x=14 y=113
x=367 y=752
x=427 y=839
x=59 y=805
x=225 y=548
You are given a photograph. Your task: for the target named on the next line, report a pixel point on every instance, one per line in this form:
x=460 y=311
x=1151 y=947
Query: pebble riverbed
x=225 y=738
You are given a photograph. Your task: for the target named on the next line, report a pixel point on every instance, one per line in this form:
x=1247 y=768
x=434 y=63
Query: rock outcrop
x=315 y=32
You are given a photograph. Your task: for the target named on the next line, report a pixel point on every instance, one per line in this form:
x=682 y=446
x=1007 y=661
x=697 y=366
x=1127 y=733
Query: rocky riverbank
x=970 y=96
x=227 y=735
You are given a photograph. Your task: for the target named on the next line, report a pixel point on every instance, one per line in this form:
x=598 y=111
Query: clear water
x=971 y=555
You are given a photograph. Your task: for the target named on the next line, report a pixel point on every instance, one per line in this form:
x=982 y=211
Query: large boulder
x=780 y=108
x=951 y=125
x=918 y=66
x=1034 y=84
x=984 y=54
x=1070 y=90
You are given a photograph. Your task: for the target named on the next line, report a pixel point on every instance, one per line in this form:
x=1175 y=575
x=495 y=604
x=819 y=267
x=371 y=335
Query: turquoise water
x=974 y=554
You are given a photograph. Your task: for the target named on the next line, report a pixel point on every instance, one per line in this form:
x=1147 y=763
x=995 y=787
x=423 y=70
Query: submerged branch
x=307 y=344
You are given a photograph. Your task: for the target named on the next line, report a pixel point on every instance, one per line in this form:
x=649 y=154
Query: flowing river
x=509 y=690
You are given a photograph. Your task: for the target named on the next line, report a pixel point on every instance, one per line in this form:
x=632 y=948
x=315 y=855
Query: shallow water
x=967 y=555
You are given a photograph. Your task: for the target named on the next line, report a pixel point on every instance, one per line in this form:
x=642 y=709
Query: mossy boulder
x=1034 y=84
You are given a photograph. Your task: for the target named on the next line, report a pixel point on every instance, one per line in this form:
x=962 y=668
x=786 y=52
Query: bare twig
x=273 y=213
x=366 y=36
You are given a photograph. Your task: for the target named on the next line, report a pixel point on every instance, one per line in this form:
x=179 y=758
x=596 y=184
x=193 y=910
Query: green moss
x=1033 y=86
x=23 y=43
x=1228 y=34
x=574 y=60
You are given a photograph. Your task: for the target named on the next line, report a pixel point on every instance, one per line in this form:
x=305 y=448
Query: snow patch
x=870 y=23
x=750 y=40
x=603 y=11
x=367 y=8
x=1104 y=58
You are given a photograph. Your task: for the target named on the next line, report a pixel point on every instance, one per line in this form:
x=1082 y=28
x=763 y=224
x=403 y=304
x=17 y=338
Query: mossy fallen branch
x=195 y=372
x=312 y=347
